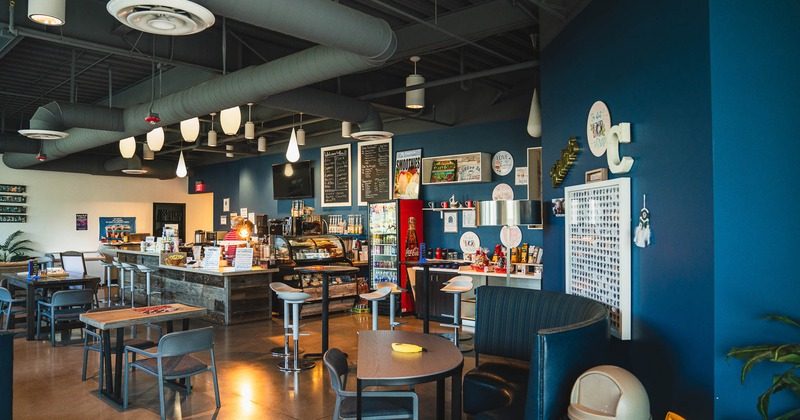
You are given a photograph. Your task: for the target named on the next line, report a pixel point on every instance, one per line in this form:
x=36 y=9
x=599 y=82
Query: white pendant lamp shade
x=127 y=147
x=249 y=127
x=229 y=148
x=155 y=139
x=147 y=153
x=212 y=138
x=181 y=171
x=347 y=129
x=415 y=99
x=262 y=144
x=230 y=119
x=535 y=117
x=301 y=137
x=47 y=12
x=190 y=129
x=293 y=152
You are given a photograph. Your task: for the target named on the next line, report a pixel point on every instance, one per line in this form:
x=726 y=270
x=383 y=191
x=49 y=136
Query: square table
x=378 y=364
x=20 y=280
x=119 y=319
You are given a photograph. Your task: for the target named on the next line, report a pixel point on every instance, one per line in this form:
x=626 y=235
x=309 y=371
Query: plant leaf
x=790 y=415
x=784 y=319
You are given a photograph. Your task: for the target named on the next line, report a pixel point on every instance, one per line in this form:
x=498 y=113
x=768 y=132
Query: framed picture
x=226 y=204
x=558 y=207
x=407 y=169
x=600 y=174
x=13 y=218
x=7 y=188
x=12 y=209
x=6 y=198
x=451 y=222
x=468 y=219
x=521 y=176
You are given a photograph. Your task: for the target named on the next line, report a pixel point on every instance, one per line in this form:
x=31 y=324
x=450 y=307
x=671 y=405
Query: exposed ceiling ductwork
x=351 y=42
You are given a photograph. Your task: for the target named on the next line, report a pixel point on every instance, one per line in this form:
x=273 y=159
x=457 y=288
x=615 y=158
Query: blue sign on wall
x=116 y=229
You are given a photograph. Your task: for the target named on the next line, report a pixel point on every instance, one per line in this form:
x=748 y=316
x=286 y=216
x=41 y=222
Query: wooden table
x=378 y=364
x=53 y=282
x=119 y=319
x=326 y=271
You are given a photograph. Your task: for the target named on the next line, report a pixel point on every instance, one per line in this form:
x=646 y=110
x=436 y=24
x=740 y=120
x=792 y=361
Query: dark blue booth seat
x=546 y=340
x=6 y=374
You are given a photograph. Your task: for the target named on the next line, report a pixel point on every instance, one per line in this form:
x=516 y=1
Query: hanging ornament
x=641 y=236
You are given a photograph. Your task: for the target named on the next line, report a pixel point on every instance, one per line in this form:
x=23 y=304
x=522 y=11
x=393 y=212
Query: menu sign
x=211 y=258
x=244 y=259
x=375 y=171
x=336 y=177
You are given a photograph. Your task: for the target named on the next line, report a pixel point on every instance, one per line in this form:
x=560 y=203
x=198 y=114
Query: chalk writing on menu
x=336 y=175
x=375 y=182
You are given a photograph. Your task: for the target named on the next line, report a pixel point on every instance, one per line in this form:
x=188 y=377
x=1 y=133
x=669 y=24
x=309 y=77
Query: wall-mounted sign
x=407 y=168
x=502 y=163
x=597 y=125
x=375 y=171
x=116 y=229
x=335 y=178
x=81 y=221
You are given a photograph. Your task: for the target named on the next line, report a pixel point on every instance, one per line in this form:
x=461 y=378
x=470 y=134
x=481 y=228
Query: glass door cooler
x=395 y=229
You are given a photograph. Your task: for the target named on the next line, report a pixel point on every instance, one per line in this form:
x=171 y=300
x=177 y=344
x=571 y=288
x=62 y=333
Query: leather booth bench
x=543 y=341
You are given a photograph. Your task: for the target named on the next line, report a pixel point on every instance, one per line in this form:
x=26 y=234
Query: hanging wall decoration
x=561 y=167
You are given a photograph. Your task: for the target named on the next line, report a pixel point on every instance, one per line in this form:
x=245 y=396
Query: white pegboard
x=598 y=247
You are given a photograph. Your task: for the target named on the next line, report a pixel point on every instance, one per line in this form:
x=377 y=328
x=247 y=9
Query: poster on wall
x=407 y=165
x=374 y=171
x=116 y=229
x=81 y=221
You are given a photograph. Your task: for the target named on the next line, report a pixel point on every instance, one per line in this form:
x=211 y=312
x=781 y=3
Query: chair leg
x=188 y=385
x=52 y=332
x=85 y=356
x=161 y=396
x=125 y=383
x=214 y=376
x=133 y=301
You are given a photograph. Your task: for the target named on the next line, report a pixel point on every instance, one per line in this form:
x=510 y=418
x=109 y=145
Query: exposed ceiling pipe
x=96 y=165
x=57 y=116
x=17 y=144
x=330 y=105
x=352 y=42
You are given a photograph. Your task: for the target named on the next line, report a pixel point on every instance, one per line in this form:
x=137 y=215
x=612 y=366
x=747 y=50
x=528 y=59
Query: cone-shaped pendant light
x=293 y=152
x=181 y=171
x=535 y=117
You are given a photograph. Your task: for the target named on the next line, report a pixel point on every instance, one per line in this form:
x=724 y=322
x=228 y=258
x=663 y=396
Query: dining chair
x=8 y=308
x=74 y=262
x=374 y=404
x=66 y=306
x=174 y=360
x=93 y=341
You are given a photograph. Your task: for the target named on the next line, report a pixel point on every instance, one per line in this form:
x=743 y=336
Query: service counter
x=231 y=297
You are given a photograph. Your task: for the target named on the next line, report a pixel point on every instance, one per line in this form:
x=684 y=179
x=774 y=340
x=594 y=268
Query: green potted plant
x=788 y=354
x=13 y=249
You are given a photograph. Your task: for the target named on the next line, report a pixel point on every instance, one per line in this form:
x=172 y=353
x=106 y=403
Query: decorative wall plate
x=510 y=236
x=503 y=192
x=597 y=125
x=502 y=163
x=470 y=242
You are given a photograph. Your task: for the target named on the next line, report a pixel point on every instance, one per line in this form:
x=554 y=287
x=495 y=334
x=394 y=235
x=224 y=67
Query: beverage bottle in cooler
x=412 y=245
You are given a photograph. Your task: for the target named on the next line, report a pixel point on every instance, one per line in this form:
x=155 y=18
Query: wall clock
x=502 y=163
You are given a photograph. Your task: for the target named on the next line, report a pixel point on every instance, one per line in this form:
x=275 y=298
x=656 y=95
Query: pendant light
x=155 y=139
x=47 y=12
x=147 y=152
x=415 y=99
x=293 y=152
x=535 y=116
x=301 y=134
x=127 y=147
x=230 y=119
x=249 y=127
x=181 y=170
x=262 y=144
x=212 y=135
x=347 y=129
x=190 y=129
x=229 y=149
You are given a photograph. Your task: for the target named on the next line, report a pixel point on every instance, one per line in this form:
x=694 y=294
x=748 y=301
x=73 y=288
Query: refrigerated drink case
x=395 y=229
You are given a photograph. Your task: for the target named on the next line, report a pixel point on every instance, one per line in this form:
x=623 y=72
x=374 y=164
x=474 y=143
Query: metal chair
x=375 y=297
x=108 y=266
x=396 y=290
x=147 y=270
x=374 y=404
x=8 y=308
x=73 y=262
x=173 y=360
x=295 y=299
x=65 y=306
x=279 y=288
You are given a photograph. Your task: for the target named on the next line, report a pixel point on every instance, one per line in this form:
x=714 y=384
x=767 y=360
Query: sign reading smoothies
x=116 y=229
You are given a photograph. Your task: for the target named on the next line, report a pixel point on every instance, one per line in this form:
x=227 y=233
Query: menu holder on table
x=243 y=259
x=211 y=259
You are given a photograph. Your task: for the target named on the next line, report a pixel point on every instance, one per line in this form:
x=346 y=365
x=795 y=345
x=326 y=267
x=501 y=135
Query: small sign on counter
x=211 y=258
x=244 y=259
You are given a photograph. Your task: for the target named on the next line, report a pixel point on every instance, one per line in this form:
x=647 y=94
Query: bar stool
x=108 y=266
x=396 y=290
x=147 y=270
x=295 y=299
x=375 y=297
x=132 y=269
x=462 y=335
x=457 y=288
x=279 y=288
x=121 y=271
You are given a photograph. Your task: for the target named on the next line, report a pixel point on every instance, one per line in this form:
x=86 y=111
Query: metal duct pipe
x=56 y=116
x=96 y=165
x=17 y=144
x=330 y=105
x=370 y=42
x=119 y=163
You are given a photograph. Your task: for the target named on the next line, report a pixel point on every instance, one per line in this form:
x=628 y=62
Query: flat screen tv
x=292 y=180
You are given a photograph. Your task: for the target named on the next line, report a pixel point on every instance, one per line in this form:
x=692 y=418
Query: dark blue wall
x=649 y=62
x=756 y=98
x=248 y=182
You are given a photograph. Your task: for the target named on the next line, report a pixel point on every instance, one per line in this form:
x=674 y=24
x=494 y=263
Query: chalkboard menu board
x=375 y=171
x=336 y=178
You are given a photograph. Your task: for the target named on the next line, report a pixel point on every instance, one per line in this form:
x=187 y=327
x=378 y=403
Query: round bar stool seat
x=461 y=335
x=295 y=299
x=457 y=288
x=278 y=288
x=375 y=297
x=121 y=285
x=395 y=290
x=108 y=266
x=131 y=269
x=147 y=270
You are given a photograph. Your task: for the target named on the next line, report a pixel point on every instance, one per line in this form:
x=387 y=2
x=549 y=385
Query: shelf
x=376 y=244
x=469 y=168
x=384 y=255
x=448 y=208
x=384 y=268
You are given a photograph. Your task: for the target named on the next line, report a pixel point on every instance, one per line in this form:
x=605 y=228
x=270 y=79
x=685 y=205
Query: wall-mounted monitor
x=292 y=180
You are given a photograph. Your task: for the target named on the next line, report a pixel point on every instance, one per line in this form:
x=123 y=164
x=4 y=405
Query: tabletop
x=378 y=362
x=105 y=320
x=70 y=277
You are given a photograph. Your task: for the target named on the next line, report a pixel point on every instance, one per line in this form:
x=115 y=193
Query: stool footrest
x=450 y=325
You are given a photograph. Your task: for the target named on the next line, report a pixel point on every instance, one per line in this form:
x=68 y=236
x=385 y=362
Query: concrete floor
x=47 y=380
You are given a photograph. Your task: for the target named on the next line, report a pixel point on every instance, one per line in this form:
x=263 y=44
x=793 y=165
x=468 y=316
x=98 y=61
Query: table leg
x=358 y=399
x=426 y=300
x=455 y=394
x=440 y=399
x=109 y=378
x=324 y=313
x=30 y=316
x=120 y=365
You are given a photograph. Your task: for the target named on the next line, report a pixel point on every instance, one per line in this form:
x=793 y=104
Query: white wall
x=54 y=198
